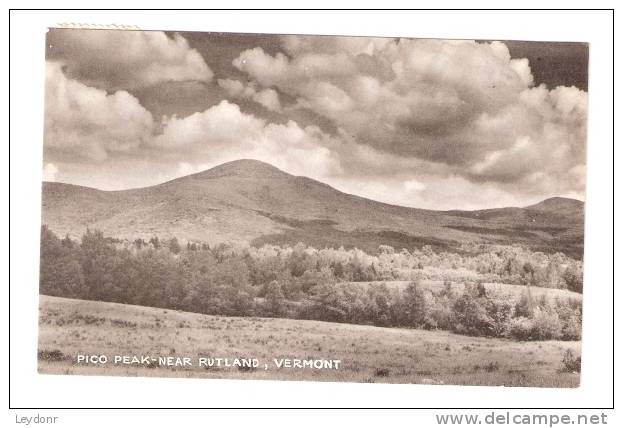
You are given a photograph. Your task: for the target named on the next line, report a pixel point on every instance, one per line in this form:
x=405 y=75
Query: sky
x=437 y=124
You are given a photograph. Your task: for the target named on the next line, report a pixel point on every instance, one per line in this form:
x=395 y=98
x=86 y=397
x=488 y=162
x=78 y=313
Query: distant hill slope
x=252 y=201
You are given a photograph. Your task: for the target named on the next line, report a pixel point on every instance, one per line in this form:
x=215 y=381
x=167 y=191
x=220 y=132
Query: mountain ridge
x=250 y=168
x=254 y=202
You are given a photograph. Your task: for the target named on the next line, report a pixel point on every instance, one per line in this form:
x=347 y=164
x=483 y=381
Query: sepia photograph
x=313 y=208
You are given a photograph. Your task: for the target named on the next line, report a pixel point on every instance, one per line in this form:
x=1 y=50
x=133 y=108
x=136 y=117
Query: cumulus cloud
x=88 y=123
x=114 y=59
x=462 y=104
x=223 y=133
x=546 y=131
x=220 y=126
x=424 y=123
x=268 y=97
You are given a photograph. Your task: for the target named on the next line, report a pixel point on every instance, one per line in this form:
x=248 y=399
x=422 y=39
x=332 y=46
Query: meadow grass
x=70 y=327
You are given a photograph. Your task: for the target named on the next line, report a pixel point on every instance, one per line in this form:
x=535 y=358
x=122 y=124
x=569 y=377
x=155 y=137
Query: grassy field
x=69 y=328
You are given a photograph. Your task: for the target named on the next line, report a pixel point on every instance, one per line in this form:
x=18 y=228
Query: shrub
x=274 y=298
x=546 y=325
x=491 y=367
x=572 y=329
x=500 y=313
x=520 y=328
x=571 y=363
x=447 y=290
x=525 y=306
x=414 y=305
x=381 y=372
x=471 y=315
x=174 y=246
x=573 y=278
x=570 y=315
x=53 y=355
x=441 y=313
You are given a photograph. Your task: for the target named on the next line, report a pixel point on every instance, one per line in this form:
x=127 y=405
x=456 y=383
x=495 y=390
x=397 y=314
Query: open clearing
x=71 y=327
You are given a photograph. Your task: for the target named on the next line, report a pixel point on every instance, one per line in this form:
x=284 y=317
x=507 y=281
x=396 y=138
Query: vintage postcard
x=318 y=208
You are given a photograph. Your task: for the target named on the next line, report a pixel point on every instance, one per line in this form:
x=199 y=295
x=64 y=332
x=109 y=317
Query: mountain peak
x=557 y=203
x=246 y=168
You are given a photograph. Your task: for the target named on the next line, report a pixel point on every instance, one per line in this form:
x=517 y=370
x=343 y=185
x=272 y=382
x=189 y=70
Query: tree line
x=328 y=284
